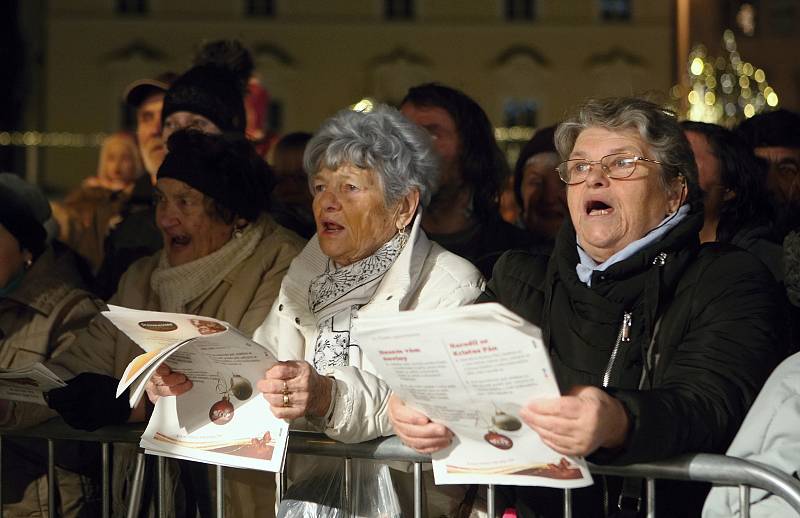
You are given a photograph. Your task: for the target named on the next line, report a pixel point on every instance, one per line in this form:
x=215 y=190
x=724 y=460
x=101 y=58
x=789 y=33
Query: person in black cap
x=43 y=298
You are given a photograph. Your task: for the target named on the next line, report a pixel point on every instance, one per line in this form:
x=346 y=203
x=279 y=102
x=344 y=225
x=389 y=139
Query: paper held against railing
x=472 y=368
x=223 y=419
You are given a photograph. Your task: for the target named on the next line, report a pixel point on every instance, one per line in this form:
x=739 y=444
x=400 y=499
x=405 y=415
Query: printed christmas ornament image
x=506 y=422
x=221 y=412
x=499 y=421
x=498 y=440
x=241 y=388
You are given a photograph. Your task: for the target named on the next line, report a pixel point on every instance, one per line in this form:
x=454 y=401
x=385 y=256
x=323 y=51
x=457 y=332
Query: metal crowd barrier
x=717 y=469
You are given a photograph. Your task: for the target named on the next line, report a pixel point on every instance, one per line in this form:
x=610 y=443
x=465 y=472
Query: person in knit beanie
x=207 y=98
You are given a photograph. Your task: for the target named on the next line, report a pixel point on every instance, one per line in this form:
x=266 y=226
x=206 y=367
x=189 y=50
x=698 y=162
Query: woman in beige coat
x=223 y=257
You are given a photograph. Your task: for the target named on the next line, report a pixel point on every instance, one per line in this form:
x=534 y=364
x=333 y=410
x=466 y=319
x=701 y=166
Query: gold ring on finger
x=286 y=402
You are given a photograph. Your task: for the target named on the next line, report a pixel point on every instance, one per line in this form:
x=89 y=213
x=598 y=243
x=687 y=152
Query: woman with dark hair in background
x=735 y=197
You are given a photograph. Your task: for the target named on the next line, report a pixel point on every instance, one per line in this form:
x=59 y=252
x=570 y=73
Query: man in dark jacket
x=659 y=344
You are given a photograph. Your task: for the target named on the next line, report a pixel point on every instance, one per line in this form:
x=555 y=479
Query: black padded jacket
x=703 y=332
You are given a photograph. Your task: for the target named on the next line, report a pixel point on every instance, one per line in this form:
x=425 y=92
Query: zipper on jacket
x=624 y=335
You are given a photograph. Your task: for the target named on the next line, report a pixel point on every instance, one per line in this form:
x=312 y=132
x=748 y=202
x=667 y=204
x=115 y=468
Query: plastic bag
x=320 y=493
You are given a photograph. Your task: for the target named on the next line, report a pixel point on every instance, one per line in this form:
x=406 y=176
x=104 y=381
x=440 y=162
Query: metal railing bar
x=105 y=452
x=220 y=492
x=651 y=497
x=490 y=499
x=1 y=476
x=347 y=487
x=744 y=501
x=717 y=469
x=567 y=503
x=161 y=479
x=51 y=479
x=418 y=490
x=136 y=487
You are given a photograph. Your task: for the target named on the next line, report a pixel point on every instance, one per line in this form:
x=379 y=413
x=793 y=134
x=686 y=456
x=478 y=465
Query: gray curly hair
x=383 y=141
x=657 y=127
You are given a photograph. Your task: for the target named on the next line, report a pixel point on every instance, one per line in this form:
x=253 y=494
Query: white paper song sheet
x=472 y=368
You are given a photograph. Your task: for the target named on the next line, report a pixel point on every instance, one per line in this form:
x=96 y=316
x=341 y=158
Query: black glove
x=88 y=402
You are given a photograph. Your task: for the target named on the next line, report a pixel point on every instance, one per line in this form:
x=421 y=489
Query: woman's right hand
x=416 y=430
x=164 y=382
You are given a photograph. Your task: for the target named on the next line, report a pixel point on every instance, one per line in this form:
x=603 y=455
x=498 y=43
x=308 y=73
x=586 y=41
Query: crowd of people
x=661 y=259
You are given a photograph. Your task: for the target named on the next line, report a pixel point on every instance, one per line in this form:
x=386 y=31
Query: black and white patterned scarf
x=335 y=296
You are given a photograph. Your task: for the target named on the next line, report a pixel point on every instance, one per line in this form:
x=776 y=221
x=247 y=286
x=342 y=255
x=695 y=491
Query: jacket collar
x=397 y=285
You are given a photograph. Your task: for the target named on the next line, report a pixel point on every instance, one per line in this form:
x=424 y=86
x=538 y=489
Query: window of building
x=520 y=112
x=131 y=6
x=398 y=9
x=520 y=10
x=615 y=10
x=263 y=8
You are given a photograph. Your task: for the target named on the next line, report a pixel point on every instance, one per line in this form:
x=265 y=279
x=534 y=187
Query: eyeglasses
x=617 y=166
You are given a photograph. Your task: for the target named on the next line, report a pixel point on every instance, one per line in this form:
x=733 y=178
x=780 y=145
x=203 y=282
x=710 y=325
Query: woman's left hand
x=294 y=389
x=586 y=419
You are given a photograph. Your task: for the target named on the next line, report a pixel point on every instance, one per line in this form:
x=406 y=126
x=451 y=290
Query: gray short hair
x=383 y=141
x=657 y=126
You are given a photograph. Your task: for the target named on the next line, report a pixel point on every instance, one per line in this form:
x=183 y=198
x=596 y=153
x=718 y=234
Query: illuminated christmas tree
x=725 y=91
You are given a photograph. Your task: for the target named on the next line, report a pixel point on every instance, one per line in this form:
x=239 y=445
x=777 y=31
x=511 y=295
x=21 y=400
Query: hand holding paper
x=416 y=430
x=164 y=382
x=579 y=423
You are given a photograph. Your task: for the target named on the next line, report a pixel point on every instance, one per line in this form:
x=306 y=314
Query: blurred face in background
x=148 y=132
x=12 y=258
x=119 y=162
x=291 y=181
x=783 y=178
x=188 y=120
x=442 y=129
x=709 y=175
x=544 y=196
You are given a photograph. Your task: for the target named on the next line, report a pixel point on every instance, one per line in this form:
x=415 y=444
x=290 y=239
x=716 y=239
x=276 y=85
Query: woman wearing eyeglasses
x=659 y=344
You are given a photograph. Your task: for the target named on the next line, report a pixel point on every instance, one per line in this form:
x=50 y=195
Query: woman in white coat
x=371 y=174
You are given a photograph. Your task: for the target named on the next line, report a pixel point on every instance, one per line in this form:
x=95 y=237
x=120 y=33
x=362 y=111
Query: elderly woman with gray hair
x=371 y=174
x=659 y=344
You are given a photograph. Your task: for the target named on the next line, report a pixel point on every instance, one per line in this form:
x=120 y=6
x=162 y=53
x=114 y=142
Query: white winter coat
x=424 y=276
x=770 y=434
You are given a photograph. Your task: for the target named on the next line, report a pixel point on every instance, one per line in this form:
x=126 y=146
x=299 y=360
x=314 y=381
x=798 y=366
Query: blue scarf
x=587 y=266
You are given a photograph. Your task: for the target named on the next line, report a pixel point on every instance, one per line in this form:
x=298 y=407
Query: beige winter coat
x=37 y=321
x=243 y=299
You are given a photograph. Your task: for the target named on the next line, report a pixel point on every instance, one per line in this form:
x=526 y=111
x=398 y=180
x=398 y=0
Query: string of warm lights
x=724 y=91
x=50 y=139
